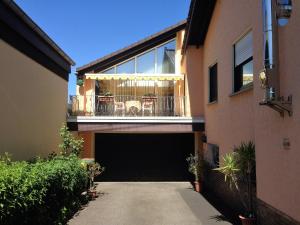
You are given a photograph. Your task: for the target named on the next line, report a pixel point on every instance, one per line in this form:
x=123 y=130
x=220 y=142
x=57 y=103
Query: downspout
x=270 y=50
x=273 y=10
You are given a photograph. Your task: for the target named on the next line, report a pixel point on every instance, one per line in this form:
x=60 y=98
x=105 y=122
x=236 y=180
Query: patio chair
x=119 y=107
x=147 y=106
x=133 y=107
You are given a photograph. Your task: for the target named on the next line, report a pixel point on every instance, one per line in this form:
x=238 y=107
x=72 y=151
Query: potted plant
x=80 y=82
x=94 y=169
x=194 y=167
x=237 y=167
x=149 y=97
x=108 y=93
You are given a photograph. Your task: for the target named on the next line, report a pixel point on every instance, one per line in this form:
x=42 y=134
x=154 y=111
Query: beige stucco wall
x=239 y=117
x=193 y=67
x=33 y=105
x=230 y=120
x=85 y=98
x=278 y=175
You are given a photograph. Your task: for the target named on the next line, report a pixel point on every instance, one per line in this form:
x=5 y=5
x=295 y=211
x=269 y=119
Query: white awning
x=103 y=76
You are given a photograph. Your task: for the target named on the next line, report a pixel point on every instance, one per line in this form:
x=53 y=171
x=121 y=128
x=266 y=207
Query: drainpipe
x=270 y=50
x=274 y=11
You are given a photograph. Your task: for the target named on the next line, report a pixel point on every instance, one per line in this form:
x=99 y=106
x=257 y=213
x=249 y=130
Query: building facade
x=229 y=38
x=33 y=86
x=140 y=93
x=200 y=81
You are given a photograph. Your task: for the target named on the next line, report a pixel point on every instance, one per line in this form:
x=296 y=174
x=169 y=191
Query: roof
x=198 y=20
x=131 y=50
x=34 y=27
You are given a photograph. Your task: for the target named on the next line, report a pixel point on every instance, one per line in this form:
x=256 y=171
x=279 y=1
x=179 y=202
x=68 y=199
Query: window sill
x=212 y=103
x=246 y=88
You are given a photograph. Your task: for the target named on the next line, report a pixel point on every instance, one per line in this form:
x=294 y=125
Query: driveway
x=148 y=203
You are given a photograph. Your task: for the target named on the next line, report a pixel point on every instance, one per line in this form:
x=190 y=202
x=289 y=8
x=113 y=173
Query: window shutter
x=243 y=49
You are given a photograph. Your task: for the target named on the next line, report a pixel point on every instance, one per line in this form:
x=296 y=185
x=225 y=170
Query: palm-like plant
x=237 y=165
x=230 y=169
x=194 y=166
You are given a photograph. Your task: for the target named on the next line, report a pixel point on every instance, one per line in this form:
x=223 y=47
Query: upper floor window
x=110 y=71
x=126 y=67
x=166 y=58
x=158 y=60
x=243 y=62
x=146 y=62
x=213 y=83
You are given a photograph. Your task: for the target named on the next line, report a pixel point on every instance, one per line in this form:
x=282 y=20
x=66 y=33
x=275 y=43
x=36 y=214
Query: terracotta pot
x=247 y=221
x=92 y=194
x=197 y=186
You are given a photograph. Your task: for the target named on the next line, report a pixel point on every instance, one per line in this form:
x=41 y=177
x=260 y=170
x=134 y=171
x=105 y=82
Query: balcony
x=125 y=106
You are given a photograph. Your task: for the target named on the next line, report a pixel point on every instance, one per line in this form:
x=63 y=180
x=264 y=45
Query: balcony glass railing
x=121 y=105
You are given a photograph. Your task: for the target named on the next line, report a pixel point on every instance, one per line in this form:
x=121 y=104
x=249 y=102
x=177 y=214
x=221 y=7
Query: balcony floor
x=144 y=124
x=136 y=119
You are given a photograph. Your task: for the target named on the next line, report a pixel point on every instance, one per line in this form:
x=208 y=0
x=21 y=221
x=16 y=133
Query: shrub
x=70 y=144
x=44 y=192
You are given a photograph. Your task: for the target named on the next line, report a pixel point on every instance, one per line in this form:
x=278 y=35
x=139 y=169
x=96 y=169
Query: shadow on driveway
x=202 y=209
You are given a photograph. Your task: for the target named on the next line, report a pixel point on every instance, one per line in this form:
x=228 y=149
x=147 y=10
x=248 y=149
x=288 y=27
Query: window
x=211 y=155
x=110 y=71
x=243 y=62
x=126 y=67
x=166 y=58
x=146 y=63
x=159 y=60
x=213 y=83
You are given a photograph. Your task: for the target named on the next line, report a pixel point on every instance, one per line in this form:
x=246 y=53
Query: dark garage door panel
x=144 y=157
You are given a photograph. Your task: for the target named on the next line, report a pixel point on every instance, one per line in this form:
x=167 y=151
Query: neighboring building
x=134 y=110
x=226 y=37
x=33 y=86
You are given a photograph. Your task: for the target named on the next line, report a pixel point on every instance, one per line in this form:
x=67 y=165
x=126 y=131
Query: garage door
x=144 y=157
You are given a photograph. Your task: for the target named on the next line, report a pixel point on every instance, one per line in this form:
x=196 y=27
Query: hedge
x=43 y=192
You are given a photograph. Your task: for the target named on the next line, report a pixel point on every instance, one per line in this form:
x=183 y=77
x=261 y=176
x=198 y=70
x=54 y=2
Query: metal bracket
x=280 y=105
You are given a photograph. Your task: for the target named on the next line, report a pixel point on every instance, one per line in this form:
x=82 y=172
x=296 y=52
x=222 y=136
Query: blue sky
x=89 y=29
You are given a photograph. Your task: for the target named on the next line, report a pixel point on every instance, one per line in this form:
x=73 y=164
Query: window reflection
x=146 y=63
x=248 y=73
x=163 y=57
x=127 y=67
x=109 y=71
x=166 y=58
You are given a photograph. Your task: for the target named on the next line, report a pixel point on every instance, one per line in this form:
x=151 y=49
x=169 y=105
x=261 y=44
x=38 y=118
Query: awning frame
x=136 y=76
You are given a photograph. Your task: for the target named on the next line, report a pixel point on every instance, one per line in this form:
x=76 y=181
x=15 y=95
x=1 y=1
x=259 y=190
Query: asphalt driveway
x=148 y=203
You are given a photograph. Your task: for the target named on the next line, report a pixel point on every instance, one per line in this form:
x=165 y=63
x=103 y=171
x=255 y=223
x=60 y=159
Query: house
x=133 y=109
x=203 y=85
x=33 y=86
x=234 y=41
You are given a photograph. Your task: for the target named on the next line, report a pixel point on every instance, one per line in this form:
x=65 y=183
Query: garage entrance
x=144 y=157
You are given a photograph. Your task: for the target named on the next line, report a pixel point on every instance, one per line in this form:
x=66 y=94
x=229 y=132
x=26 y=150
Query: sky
x=89 y=29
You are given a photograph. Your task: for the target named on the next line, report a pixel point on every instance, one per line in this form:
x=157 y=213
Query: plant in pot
x=194 y=167
x=108 y=93
x=80 y=82
x=94 y=169
x=150 y=94
x=239 y=167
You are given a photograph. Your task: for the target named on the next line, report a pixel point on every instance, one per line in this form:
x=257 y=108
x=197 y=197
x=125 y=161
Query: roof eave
x=198 y=21
x=17 y=10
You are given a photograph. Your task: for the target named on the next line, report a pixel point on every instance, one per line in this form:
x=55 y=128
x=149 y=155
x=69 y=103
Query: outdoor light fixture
x=263 y=79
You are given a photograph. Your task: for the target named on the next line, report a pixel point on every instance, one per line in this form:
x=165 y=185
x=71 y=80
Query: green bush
x=70 y=144
x=44 y=192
